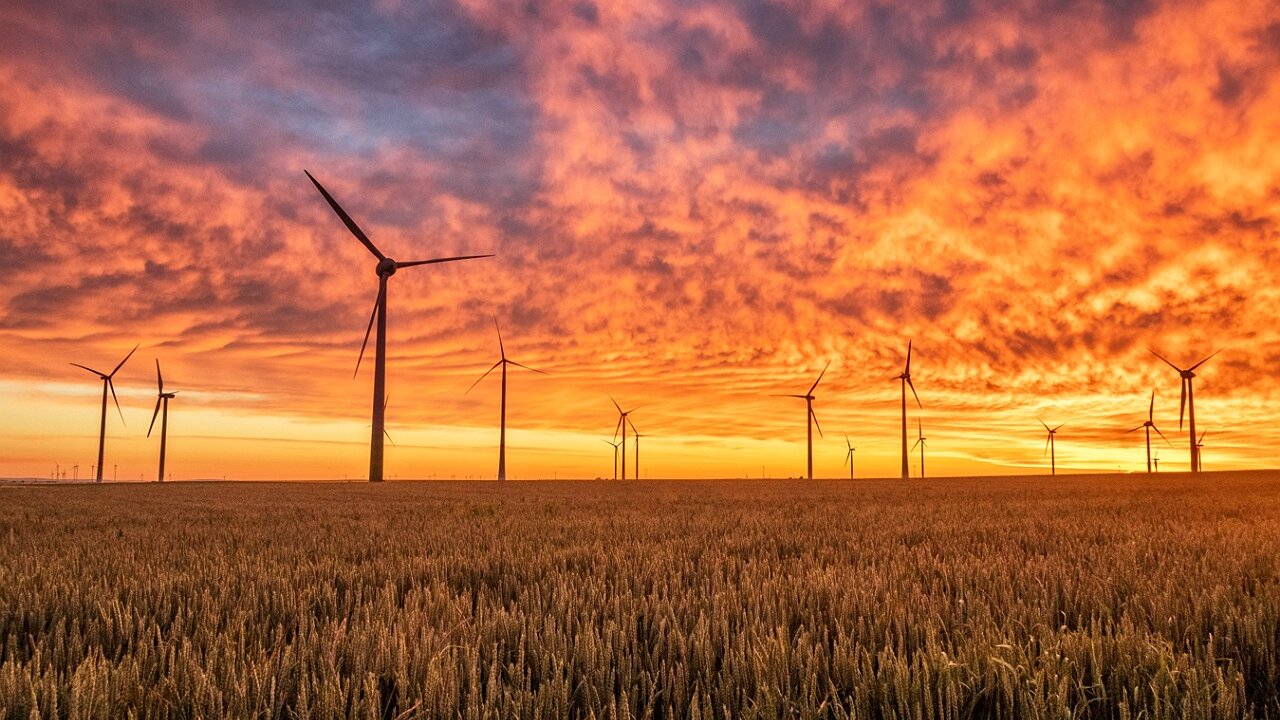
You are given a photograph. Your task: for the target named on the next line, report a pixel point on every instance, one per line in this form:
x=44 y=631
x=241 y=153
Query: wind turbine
x=502 y=432
x=811 y=419
x=1050 y=447
x=637 y=437
x=385 y=268
x=848 y=456
x=162 y=399
x=1150 y=425
x=921 y=442
x=615 y=457
x=107 y=384
x=905 y=377
x=1188 y=400
x=1157 y=459
x=623 y=421
x=1200 y=444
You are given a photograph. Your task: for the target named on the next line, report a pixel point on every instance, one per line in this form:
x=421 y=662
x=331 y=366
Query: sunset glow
x=693 y=207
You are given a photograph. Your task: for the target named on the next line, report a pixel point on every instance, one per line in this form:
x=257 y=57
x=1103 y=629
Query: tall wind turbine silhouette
x=1150 y=425
x=848 y=456
x=811 y=419
x=1200 y=444
x=623 y=421
x=905 y=377
x=385 y=268
x=162 y=400
x=1188 y=401
x=107 y=384
x=921 y=442
x=615 y=457
x=1051 y=447
x=502 y=432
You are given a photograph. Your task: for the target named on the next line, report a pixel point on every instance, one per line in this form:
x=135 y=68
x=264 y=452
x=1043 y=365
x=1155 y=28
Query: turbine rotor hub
x=386 y=267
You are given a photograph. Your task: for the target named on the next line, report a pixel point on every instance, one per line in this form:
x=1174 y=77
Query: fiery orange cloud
x=694 y=206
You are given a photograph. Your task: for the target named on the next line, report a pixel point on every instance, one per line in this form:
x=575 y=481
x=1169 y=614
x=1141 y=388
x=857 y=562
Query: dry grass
x=1019 y=598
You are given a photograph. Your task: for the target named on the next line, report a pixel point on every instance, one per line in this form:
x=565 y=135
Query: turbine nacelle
x=386 y=267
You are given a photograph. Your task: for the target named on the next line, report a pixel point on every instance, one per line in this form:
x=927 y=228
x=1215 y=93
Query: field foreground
x=1098 y=597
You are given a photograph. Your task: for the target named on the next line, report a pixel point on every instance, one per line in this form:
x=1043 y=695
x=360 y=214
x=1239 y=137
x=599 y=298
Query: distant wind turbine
x=1188 y=401
x=615 y=457
x=502 y=432
x=386 y=268
x=162 y=401
x=848 y=456
x=811 y=419
x=1050 y=446
x=1200 y=444
x=1157 y=459
x=921 y=442
x=905 y=377
x=107 y=384
x=623 y=422
x=1150 y=425
x=637 y=437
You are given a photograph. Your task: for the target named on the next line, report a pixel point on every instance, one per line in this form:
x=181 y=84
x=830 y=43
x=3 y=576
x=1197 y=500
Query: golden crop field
x=1093 y=597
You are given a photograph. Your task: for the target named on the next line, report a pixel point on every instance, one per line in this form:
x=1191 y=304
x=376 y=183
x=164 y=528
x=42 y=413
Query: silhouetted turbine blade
x=907 y=371
x=1206 y=432
x=86 y=367
x=372 y=316
x=393 y=442
x=346 y=219
x=1162 y=437
x=153 y=416
x=501 y=350
x=847 y=443
x=815 y=382
x=634 y=431
x=125 y=360
x=816 y=424
x=618 y=427
x=1046 y=427
x=1126 y=432
x=802 y=397
x=485 y=375
x=440 y=260
x=526 y=367
x=113 y=397
x=1046 y=446
x=1151 y=411
x=1215 y=352
x=159 y=378
x=615 y=404
x=913 y=392
x=916 y=444
x=1183 y=405
x=1059 y=427
x=1166 y=360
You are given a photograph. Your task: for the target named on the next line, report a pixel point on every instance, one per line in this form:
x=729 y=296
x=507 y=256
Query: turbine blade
x=125 y=360
x=1162 y=437
x=634 y=431
x=526 y=367
x=615 y=404
x=816 y=424
x=907 y=370
x=153 y=417
x=117 y=400
x=159 y=377
x=502 y=350
x=393 y=442
x=485 y=375
x=1059 y=427
x=86 y=367
x=617 y=427
x=346 y=219
x=815 y=382
x=1215 y=352
x=434 y=261
x=1046 y=445
x=913 y=392
x=1151 y=411
x=372 y=316
x=1206 y=432
x=847 y=443
x=802 y=397
x=1183 y=405
x=916 y=444
x=1126 y=432
x=1046 y=427
x=1166 y=360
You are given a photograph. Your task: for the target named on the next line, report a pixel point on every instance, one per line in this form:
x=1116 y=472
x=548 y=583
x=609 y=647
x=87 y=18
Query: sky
x=693 y=206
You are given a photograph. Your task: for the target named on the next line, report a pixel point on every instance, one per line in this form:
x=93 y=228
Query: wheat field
x=1088 y=597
